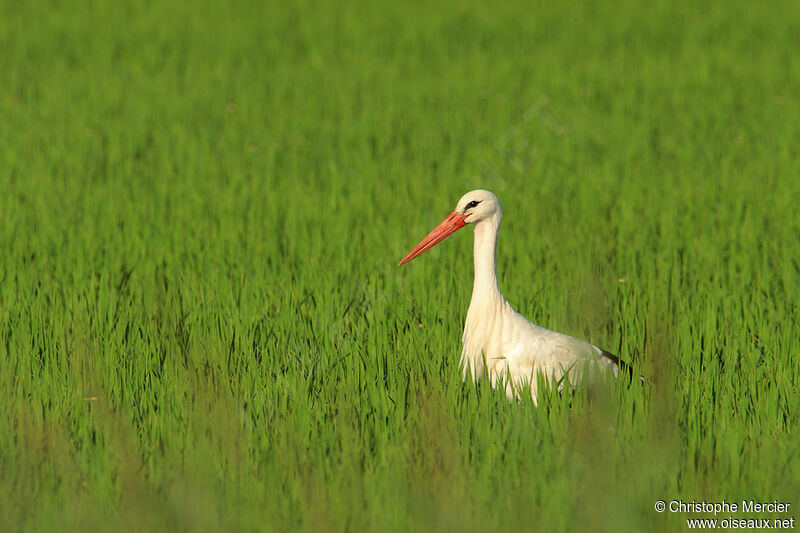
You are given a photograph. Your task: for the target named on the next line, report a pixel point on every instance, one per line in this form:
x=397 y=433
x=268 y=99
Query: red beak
x=448 y=226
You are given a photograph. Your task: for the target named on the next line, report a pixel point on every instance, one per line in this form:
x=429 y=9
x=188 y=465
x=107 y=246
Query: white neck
x=488 y=307
x=484 y=250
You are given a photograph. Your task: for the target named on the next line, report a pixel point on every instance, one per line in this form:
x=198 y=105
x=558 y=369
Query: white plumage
x=498 y=341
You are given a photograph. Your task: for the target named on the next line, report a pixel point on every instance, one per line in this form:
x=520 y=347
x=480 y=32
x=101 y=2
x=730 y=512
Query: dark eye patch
x=473 y=203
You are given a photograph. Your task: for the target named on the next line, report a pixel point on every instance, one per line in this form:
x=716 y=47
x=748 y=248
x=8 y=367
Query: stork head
x=472 y=208
x=478 y=205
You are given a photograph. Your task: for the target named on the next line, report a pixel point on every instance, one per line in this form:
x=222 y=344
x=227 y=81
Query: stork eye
x=473 y=203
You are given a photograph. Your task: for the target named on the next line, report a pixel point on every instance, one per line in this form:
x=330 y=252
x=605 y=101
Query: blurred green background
x=202 y=206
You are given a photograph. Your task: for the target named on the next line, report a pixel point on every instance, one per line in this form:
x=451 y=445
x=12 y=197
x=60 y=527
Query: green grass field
x=203 y=326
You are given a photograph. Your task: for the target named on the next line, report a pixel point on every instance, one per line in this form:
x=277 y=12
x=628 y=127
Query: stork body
x=498 y=341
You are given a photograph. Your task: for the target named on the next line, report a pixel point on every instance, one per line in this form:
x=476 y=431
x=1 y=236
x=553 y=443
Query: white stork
x=497 y=339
